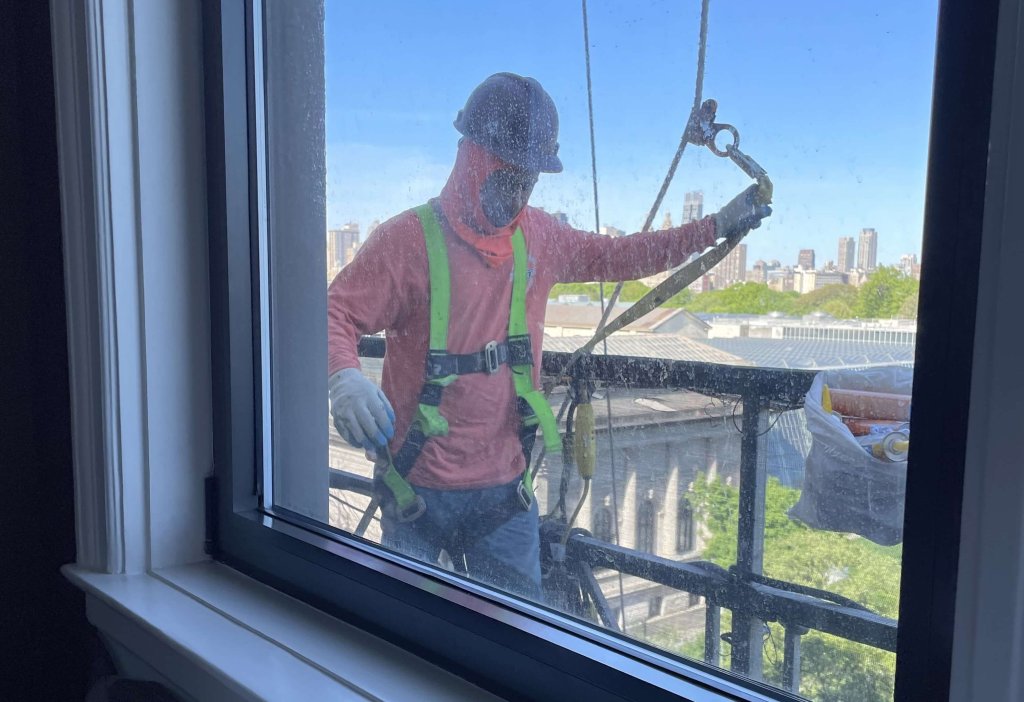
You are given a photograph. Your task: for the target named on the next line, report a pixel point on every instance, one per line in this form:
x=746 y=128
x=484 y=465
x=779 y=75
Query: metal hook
x=703 y=130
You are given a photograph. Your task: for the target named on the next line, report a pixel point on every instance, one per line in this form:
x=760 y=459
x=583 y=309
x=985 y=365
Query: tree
x=744 y=298
x=908 y=309
x=632 y=290
x=884 y=293
x=833 y=669
x=840 y=301
x=683 y=298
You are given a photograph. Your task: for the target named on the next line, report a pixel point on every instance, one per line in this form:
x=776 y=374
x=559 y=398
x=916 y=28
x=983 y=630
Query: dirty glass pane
x=732 y=481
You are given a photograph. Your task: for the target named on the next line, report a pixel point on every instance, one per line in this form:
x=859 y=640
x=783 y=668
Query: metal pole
x=748 y=632
x=712 y=634
x=791 y=658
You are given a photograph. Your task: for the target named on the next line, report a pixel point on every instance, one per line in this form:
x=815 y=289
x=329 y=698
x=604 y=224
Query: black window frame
x=482 y=638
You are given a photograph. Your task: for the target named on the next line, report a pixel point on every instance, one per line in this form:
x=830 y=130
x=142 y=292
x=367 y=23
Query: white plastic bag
x=845 y=487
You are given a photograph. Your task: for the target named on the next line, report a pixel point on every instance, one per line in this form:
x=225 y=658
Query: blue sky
x=833 y=99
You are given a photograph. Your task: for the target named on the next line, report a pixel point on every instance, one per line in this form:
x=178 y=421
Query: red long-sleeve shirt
x=386 y=287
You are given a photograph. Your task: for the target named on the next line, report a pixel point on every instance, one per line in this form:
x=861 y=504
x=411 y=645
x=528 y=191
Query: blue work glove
x=362 y=414
x=743 y=213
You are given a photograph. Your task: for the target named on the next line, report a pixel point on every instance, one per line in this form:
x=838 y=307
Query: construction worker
x=458 y=409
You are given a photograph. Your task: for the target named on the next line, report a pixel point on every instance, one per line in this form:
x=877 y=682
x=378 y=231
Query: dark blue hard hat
x=514 y=118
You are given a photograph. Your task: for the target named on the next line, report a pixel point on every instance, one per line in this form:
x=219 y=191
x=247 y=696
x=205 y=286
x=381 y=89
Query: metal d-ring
x=713 y=133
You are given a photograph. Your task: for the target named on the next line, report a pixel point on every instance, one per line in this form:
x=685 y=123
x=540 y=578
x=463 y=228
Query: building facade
x=693 y=206
x=806 y=259
x=733 y=268
x=847 y=254
x=867 y=257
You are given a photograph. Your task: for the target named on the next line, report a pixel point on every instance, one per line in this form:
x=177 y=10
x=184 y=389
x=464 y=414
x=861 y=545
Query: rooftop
x=814 y=354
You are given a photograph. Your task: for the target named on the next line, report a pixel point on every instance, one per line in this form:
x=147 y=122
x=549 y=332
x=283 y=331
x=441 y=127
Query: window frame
x=515 y=651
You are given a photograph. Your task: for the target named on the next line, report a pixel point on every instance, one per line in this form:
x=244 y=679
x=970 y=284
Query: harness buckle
x=413 y=511
x=491 y=357
x=524 y=495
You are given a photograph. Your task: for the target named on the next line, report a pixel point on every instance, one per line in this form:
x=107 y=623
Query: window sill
x=221 y=635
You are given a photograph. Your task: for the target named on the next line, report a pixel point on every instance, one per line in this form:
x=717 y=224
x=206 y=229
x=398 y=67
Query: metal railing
x=743 y=588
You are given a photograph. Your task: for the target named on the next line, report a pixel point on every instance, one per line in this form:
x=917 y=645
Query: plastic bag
x=845 y=487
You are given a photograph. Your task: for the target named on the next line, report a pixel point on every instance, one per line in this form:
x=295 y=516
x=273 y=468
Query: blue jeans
x=506 y=557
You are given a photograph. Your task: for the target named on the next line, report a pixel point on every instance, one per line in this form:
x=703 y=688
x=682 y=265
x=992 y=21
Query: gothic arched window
x=645 y=526
x=603 y=524
x=685 y=528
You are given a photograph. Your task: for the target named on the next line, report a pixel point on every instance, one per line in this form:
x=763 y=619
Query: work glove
x=743 y=213
x=361 y=412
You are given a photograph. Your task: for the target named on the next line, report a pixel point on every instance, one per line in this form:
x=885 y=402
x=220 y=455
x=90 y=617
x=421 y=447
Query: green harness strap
x=522 y=376
x=428 y=418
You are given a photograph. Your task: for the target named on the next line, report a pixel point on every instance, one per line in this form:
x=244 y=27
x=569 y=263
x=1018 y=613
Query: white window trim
x=131 y=141
x=131 y=149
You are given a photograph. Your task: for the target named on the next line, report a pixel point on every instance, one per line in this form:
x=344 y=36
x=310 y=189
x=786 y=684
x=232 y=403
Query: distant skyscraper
x=667 y=222
x=612 y=231
x=733 y=268
x=847 y=253
x=758 y=272
x=561 y=217
x=341 y=245
x=806 y=259
x=909 y=265
x=867 y=256
x=693 y=206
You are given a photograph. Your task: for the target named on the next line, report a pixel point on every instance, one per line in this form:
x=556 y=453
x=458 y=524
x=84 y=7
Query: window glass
x=430 y=190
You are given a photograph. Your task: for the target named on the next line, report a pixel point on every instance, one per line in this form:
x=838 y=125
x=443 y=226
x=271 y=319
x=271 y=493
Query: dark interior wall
x=45 y=641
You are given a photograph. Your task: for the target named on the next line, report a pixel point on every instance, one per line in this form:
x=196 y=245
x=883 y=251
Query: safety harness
x=444 y=368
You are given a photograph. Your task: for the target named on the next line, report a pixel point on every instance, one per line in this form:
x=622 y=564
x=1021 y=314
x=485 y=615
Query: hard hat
x=514 y=118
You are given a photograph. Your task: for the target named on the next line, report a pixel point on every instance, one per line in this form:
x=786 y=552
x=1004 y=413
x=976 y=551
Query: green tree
x=908 y=308
x=833 y=668
x=744 y=298
x=840 y=301
x=632 y=290
x=884 y=293
x=683 y=298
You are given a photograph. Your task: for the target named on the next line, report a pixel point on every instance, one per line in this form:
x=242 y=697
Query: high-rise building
x=867 y=256
x=758 y=272
x=781 y=279
x=612 y=231
x=693 y=206
x=806 y=259
x=908 y=262
x=847 y=253
x=733 y=268
x=561 y=217
x=667 y=222
x=341 y=245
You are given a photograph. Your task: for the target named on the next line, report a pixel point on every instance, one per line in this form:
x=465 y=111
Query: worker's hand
x=743 y=213
x=362 y=414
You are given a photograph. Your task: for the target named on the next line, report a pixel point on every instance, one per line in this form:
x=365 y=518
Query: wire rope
x=607 y=308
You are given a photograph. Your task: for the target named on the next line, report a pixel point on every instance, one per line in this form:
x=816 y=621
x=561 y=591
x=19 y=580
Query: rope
x=698 y=94
x=604 y=316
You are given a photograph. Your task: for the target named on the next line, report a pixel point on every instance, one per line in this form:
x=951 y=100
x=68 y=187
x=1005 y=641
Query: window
x=645 y=526
x=685 y=539
x=603 y=524
x=339 y=139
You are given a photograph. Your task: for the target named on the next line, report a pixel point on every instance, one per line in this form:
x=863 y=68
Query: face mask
x=505 y=193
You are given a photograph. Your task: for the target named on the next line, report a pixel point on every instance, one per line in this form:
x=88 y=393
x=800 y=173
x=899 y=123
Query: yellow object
x=584 y=440
x=893 y=447
x=826 y=399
